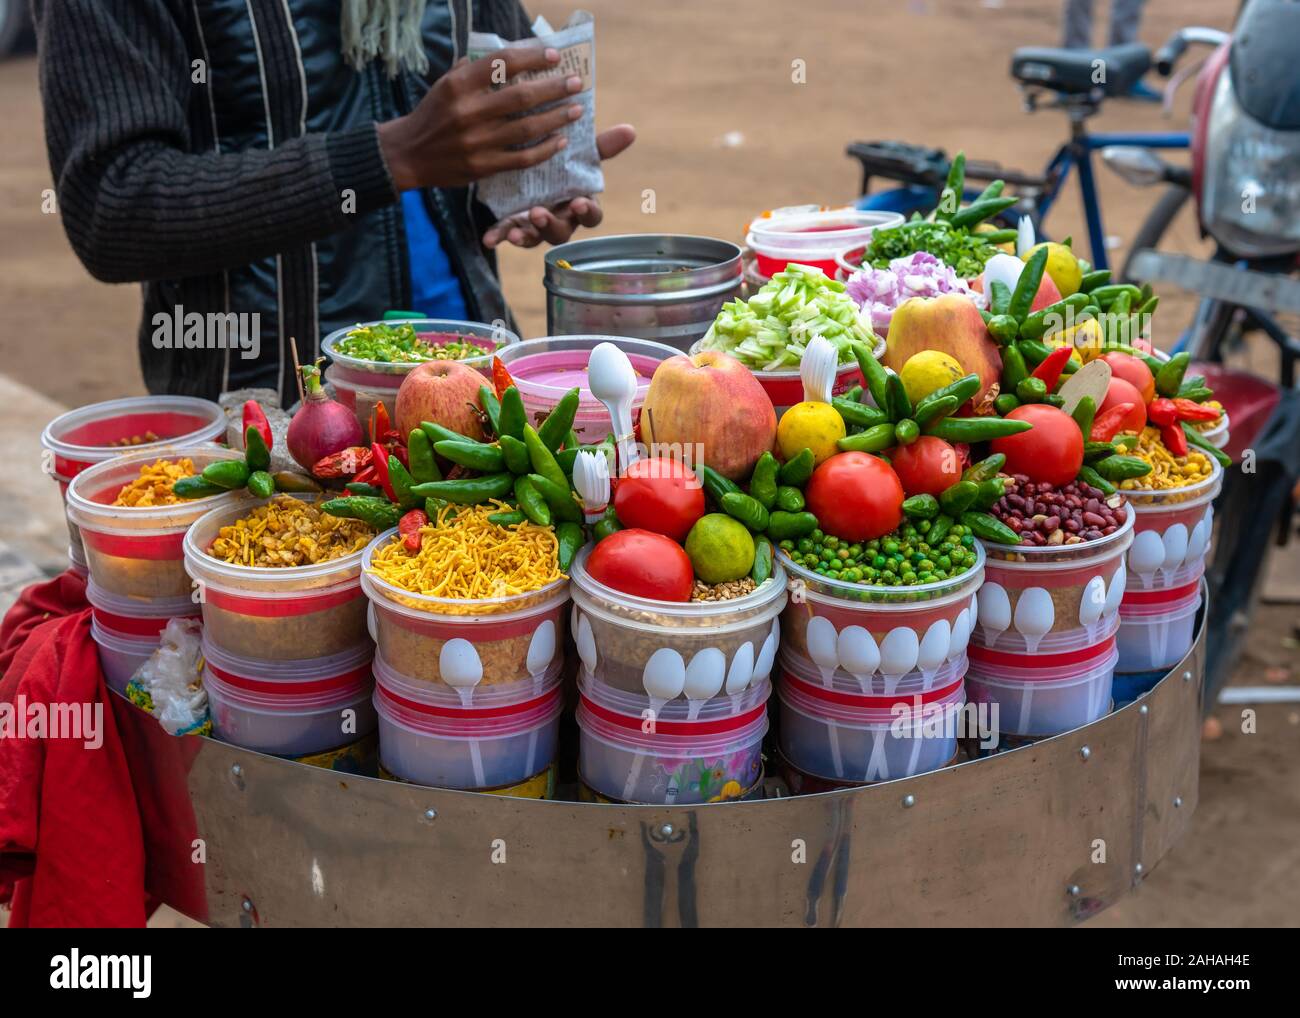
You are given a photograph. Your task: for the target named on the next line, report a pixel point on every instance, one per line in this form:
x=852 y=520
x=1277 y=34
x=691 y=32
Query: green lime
x=720 y=548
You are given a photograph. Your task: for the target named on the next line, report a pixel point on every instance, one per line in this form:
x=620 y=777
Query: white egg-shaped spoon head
x=817 y=370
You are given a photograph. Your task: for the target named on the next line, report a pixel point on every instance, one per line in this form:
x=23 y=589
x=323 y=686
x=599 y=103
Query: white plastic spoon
x=591 y=480
x=612 y=381
x=817 y=369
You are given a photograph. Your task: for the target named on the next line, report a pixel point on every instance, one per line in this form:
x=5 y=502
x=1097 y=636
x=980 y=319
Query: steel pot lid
x=654 y=268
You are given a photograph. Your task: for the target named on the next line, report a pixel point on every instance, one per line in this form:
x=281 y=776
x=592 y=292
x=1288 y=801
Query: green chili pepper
x=261 y=484
x=419 y=450
x=715 y=485
x=762 y=483
x=1106 y=295
x=608 y=525
x=555 y=429
x=921 y=507
x=928 y=410
x=487 y=459
x=515 y=454
x=491 y=407
x=989 y=528
x=541 y=457
x=975 y=429
x=1014 y=369
x=531 y=502
x=1089 y=476
x=798 y=469
x=570 y=538
x=228 y=474
x=963 y=389
x=468 y=490
x=378 y=512
x=939 y=528
x=1005 y=403
x=513 y=417
x=196 y=487
x=1149 y=306
x=399 y=477
x=989 y=492
x=560 y=499
x=993 y=191
x=996 y=238
x=1121 y=468
x=950 y=196
x=1027 y=286
x=291 y=480
x=857 y=414
x=978 y=211
x=1091 y=280
x=900 y=407
x=1195 y=438
x=874 y=439
x=748 y=510
x=783 y=526
x=437 y=433
x=789 y=499
x=509 y=518
x=876 y=377
x=361 y=488
x=1084 y=412
x=1036 y=324
x=1003 y=328
x=852 y=394
x=985 y=468
x=957 y=498
x=762 y=567
x=999 y=298
x=906 y=431
x=1054 y=399
x=1170 y=376
x=256 y=454
x=1093 y=451
x=1031 y=390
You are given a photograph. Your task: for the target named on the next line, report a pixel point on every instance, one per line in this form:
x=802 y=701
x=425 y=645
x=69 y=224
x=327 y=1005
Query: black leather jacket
x=224 y=154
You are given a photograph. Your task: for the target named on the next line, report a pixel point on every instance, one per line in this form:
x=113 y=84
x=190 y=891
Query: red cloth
x=71 y=838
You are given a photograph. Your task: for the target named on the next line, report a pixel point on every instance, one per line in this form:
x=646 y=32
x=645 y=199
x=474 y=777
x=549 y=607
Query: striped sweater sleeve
x=136 y=202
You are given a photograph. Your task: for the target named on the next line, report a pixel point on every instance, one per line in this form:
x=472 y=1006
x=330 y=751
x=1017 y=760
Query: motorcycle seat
x=1114 y=70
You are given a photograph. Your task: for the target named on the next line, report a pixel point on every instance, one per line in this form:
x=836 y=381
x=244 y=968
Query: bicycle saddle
x=1114 y=70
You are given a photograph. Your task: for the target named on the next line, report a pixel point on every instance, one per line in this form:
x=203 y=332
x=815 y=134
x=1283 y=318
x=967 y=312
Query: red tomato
x=1120 y=391
x=927 y=466
x=855 y=496
x=643 y=564
x=659 y=495
x=1133 y=371
x=1051 y=452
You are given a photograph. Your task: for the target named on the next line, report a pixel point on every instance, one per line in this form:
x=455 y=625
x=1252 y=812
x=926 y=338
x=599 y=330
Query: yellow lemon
x=1062 y=266
x=926 y=371
x=810 y=425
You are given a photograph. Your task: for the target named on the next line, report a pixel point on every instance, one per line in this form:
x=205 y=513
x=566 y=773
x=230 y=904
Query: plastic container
x=137 y=551
x=812 y=238
x=288 y=614
x=121 y=654
x=1031 y=592
x=916 y=681
x=1157 y=628
x=642 y=646
x=1218 y=435
x=137 y=617
x=1190 y=571
x=428 y=737
x=77 y=559
x=879 y=634
x=360 y=384
x=1171 y=527
x=437 y=639
x=1049 y=696
x=1064 y=641
x=664 y=757
x=289 y=708
x=545 y=369
x=847 y=736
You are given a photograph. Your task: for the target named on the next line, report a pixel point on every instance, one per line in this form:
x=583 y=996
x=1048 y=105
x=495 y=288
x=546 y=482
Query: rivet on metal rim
x=1143 y=709
x=1073 y=890
x=1084 y=752
x=247 y=905
x=430 y=814
x=909 y=801
x=1187 y=676
x=236 y=770
x=1138 y=870
x=1178 y=801
x=666 y=830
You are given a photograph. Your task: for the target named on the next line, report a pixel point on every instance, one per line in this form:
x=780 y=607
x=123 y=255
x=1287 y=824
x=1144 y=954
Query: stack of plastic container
x=134 y=555
x=468 y=691
x=287 y=652
x=1173 y=528
x=1043 y=648
x=672 y=696
x=872 y=677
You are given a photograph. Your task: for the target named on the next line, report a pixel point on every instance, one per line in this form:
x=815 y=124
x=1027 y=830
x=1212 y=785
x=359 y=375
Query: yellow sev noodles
x=465 y=557
x=153 y=485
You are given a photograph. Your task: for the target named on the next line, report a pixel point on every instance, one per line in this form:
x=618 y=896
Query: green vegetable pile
x=908 y=557
x=401 y=344
x=771 y=330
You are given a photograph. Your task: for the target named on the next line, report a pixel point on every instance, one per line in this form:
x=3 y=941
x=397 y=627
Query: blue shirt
x=435 y=290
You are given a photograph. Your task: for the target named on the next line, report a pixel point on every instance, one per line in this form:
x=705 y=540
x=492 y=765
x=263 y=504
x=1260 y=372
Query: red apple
x=444 y=392
x=1046 y=296
x=711 y=406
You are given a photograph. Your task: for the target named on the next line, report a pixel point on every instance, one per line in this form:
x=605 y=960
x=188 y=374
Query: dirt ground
x=724 y=132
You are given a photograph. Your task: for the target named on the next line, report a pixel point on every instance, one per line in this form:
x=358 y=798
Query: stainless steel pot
x=664 y=288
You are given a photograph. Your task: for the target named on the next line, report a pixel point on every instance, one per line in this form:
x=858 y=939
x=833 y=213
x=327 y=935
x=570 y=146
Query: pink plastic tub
x=1042 y=695
x=633 y=752
x=121 y=654
x=879 y=634
x=137 y=617
x=289 y=708
x=812 y=238
x=1157 y=627
x=1031 y=592
x=844 y=735
x=1173 y=526
x=506 y=736
x=138 y=551
x=545 y=369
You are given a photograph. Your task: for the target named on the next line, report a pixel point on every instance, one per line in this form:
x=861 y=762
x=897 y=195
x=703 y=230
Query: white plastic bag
x=168 y=685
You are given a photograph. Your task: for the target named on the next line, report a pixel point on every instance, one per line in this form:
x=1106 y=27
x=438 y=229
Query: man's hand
x=463 y=131
x=556 y=225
